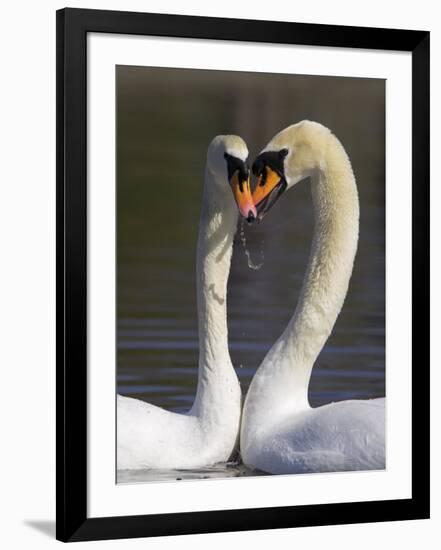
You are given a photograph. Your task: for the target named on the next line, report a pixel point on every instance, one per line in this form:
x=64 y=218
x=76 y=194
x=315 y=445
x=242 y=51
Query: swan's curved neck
x=286 y=369
x=217 y=228
x=329 y=270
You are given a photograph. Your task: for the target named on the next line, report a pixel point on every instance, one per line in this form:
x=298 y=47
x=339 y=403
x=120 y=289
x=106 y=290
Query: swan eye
x=235 y=164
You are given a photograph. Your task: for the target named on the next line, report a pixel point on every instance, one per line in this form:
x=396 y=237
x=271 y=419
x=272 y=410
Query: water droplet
x=243 y=240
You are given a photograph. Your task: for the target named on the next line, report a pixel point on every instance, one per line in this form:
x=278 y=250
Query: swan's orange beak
x=265 y=184
x=270 y=185
x=242 y=194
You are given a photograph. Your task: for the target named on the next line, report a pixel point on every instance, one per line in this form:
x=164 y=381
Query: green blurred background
x=165 y=121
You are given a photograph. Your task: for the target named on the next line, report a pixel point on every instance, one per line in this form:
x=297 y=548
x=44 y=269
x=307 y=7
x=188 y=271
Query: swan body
x=151 y=437
x=280 y=432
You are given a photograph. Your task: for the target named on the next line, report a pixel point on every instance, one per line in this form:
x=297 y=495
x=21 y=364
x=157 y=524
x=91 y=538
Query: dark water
x=165 y=120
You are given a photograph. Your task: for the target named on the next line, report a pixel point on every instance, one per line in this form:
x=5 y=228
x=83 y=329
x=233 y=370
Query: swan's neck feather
x=281 y=382
x=217 y=380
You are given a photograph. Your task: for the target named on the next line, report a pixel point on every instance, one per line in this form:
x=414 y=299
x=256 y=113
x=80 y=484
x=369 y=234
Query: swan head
x=227 y=161
x=292 y=155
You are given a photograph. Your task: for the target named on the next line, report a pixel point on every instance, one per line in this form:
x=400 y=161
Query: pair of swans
x=279 y=432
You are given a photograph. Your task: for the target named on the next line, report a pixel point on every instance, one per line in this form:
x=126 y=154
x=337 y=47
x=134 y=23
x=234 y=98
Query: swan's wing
x=343 y=436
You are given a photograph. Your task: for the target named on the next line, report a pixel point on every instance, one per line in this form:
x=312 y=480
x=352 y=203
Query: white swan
x=280 y=432
x=151 y=437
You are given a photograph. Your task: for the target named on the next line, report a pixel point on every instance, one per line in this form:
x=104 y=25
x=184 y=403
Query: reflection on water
x=219 y=471
x=166 y=118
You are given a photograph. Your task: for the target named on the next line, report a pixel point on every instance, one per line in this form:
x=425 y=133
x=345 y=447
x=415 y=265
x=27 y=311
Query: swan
x=280 y=432
x=151 y=437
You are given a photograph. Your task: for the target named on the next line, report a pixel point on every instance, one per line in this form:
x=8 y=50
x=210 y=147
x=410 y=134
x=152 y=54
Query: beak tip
x=251 y=218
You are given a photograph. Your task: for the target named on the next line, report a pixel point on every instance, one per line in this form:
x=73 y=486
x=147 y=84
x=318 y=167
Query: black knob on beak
x=250 y=218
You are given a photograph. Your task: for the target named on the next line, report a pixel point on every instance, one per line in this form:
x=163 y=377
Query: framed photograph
x=242 y=274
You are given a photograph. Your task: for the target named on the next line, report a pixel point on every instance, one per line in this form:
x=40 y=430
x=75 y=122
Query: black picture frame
x=71 y=428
